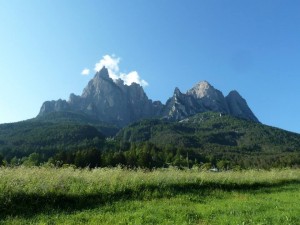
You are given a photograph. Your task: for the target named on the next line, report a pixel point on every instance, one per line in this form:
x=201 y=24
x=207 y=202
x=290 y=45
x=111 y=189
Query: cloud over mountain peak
x=111 y=62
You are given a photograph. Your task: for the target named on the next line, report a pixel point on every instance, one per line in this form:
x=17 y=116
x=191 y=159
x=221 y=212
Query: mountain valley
x=116 y=124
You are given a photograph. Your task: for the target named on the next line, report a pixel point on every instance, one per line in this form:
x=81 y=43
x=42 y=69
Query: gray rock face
x=210 y=98
x=114 y=102
x=238 y=107
x=180 y=106
x=204 y=97
x=50 y=106
x=109 y=101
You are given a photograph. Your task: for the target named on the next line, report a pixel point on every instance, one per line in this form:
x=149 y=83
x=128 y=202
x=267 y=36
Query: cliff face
x=238 y=107
x=116 y=103
x=204 y=97
x=109 y=101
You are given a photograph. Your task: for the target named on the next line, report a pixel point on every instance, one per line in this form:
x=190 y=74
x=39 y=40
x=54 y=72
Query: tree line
x=148 y=155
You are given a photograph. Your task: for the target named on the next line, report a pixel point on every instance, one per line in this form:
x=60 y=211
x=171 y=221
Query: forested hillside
x=205 y=140
x=213 y=137
x=215 y=130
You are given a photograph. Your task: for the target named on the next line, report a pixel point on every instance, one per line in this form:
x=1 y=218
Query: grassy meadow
x=41 y=195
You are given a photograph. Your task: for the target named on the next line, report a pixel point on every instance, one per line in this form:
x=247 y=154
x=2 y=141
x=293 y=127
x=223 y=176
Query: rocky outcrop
x=109 y=101
x=50 y=106
x=238 y=107
x=180 y=106
x=114 y=102
x=208 y=97
x=204 y=97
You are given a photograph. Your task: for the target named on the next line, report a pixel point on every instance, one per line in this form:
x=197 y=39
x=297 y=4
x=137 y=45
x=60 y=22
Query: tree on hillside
x=1 y=160
x=32 y=160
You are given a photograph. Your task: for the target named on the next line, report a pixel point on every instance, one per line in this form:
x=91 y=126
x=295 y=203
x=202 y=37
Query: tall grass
x=24 y=190
x=42 y=180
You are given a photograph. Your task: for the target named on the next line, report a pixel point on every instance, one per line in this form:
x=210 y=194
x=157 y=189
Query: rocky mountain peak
x=238 y=106
x=209 y=98
x=99 y=85
x=115 y=102
x=108 y=101
x=177 y=91
x=204 y=97
x=103 y=73
x=234 y=94
x=202 y=89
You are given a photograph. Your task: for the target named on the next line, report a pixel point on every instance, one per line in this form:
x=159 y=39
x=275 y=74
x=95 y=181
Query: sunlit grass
x=165 y=196
x=42 y=180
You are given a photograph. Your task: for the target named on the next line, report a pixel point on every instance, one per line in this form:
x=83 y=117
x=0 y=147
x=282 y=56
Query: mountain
x=113 y=102
x=107 y=101
x=26 y=137
x=62 y=117
x=203 y=97
x=211 y=137
x=116 y=124
x=211 y=128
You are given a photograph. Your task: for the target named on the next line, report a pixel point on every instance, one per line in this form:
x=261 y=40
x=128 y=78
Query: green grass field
x=43 y=195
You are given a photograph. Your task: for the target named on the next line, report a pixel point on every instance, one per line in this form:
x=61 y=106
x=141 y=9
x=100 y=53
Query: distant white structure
x=214 y=170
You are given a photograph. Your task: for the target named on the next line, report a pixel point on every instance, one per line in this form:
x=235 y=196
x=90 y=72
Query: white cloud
x=133 y=77
x=112 y=65
x=85 y=72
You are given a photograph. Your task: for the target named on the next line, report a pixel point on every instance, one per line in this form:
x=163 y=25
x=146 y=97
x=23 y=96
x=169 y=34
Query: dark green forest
x=205 y=140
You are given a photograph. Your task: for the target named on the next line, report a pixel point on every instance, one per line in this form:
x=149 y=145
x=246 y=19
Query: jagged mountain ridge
x=204 y=97
x=108 y=101
x=114 y=102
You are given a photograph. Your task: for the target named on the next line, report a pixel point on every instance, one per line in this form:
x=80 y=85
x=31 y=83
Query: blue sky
x=251 y=46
